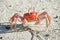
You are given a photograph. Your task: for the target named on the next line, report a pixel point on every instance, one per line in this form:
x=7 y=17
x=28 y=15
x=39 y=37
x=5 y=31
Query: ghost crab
x=29 y=17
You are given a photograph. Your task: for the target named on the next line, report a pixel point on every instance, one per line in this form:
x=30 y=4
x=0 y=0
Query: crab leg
x=45 y=15
x=24 y=22
x=48 y=20
x=13 y=20
x=13 y=23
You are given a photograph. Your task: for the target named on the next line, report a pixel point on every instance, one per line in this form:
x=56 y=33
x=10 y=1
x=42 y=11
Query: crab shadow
x=20 y=28
x=6 y=28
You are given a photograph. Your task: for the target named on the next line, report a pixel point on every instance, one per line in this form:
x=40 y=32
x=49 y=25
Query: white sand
x=51 y=6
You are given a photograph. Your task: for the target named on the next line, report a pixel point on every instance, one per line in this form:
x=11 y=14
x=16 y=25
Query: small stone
x=7 y=28
x=37 y=32
x=56 y=17
x=56 y=21
x=10 y=6
x=46 y=35
x=0 y=37
x=43 y=9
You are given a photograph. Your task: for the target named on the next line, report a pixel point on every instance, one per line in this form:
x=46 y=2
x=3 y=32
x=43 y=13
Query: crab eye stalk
x=29 y=10
x=33 y=9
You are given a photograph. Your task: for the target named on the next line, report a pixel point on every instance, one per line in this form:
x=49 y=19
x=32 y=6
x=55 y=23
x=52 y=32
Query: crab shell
x=32 y=16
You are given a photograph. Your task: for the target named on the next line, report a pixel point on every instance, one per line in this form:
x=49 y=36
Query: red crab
x=29 y=17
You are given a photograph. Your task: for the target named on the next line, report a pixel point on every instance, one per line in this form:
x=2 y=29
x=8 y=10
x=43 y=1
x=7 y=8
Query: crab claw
x=24 y=22
x=37 y=21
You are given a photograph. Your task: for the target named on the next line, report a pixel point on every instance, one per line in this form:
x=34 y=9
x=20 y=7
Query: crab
x=30 y=17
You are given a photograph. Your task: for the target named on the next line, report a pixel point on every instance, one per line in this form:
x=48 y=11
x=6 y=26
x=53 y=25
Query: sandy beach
x=9 y=7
